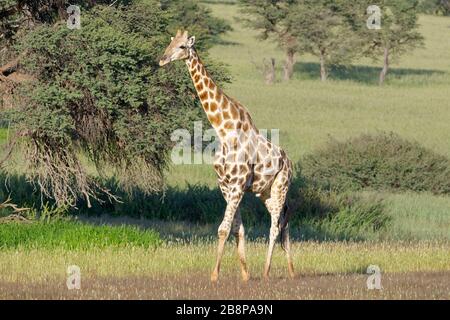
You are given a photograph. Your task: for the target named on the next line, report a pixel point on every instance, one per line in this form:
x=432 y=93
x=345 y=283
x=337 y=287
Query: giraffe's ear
x=171 y=38
x=190 y=42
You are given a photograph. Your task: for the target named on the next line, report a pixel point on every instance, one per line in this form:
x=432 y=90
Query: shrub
x=99 y=93
x=322 y=214
x=379 y=162
x=358 y=216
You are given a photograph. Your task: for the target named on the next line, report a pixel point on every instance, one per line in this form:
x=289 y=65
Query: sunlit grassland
x=419 y=216
x=310 y=258
x=415 y=102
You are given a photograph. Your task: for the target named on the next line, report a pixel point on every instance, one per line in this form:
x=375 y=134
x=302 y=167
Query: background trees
x=438 y=7
x=320 y=26
x=97 y=96
x=336 y=31
x=398 y=33
x=270 y=17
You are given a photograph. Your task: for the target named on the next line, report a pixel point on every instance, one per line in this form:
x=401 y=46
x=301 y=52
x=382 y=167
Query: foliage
x=380 y=162
x=357 y=217
x=398 y=34
x=437 y=7
x=99 y=92
x=322 y=29
x=72 y=235
x=398 y=28
x=271 y=18
x=19 y=16
x=197 y=19
x=324 y=214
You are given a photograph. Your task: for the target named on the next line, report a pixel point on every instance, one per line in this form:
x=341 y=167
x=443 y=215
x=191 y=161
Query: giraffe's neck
x=223 y=113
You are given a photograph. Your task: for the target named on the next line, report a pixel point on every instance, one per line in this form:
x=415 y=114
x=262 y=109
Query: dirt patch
x=419 y=285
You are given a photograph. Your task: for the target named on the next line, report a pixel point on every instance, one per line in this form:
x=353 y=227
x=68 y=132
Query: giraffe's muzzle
x=164 y=60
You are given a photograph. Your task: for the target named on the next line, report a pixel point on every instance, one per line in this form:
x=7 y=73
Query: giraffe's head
x=178 y=48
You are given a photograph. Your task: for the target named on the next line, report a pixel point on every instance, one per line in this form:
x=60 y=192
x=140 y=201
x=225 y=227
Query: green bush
x=437 y=7
x=100 y=93
x=324 y=215
x=357 y=217
x=379 y=162
x=73 y=235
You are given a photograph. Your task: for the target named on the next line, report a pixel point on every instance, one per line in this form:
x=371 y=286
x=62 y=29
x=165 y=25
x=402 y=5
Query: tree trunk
x=385 y=66
x=289 y=65
x=323 y=67
x=269 y=71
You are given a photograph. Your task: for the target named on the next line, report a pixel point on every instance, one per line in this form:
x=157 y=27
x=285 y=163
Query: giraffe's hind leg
x=275 y=202
x=239 y=233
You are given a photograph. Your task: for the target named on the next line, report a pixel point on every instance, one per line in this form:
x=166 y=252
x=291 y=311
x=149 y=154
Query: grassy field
x=415 y=102
x=325 y=270
x=413 y=252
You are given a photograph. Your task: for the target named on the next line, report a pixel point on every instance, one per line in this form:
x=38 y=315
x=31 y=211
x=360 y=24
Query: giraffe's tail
x=284 y=220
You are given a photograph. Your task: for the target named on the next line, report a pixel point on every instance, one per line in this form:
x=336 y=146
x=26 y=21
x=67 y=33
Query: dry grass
x=310 y=258
x=419 y=270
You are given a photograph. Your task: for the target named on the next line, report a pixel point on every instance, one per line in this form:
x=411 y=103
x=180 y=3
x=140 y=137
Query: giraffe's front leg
x=233 y=201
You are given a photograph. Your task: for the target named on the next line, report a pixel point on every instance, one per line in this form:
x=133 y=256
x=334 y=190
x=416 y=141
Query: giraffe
x=245 y=161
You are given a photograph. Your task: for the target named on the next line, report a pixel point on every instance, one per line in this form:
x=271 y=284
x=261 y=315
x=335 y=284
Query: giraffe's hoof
x=291 y=270
x=245 y=277
x=214 y=277
x=266 y=277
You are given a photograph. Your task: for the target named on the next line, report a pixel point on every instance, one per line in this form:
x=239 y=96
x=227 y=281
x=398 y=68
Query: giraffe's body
x=245 y=162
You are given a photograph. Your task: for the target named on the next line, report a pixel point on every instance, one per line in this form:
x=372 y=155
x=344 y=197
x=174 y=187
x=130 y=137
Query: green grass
x=419 y=216
x=73 y=235
x=3 y=135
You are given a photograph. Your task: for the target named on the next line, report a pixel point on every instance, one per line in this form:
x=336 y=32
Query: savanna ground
x=413 y=253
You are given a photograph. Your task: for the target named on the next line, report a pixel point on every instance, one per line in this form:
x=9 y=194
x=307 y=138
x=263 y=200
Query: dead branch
x=8 y=205
x=14 y=218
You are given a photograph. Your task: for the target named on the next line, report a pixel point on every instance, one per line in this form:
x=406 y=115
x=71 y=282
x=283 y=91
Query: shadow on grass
x=362 y=74
x=223 y=42
x=227 y=2
x=195 y=212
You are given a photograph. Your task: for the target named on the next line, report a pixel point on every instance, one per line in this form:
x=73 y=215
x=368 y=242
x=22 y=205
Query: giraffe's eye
x=182 y=47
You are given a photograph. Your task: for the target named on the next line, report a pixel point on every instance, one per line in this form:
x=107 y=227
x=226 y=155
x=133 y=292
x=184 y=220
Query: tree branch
x=7 y=204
